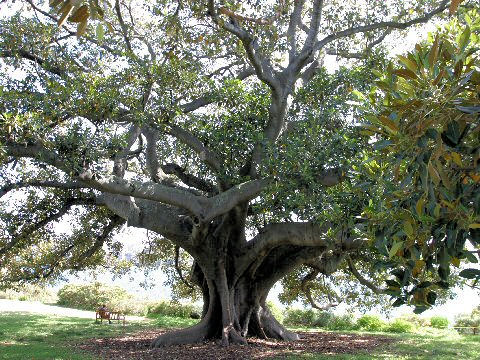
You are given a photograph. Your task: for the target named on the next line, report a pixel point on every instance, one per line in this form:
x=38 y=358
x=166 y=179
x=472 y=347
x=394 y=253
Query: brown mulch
x=137 y=346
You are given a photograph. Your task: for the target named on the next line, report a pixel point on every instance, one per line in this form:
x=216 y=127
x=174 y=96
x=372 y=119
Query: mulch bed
x=136 y=346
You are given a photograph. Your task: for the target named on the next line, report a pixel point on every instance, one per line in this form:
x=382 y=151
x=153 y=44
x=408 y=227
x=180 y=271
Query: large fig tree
x=216 y=126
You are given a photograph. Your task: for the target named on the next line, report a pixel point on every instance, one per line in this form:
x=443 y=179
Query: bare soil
x=137 y=346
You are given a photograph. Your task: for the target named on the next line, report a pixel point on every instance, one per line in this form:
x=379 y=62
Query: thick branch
x=36 y=59
x=362 y=280
x=303 y=235
x=261 y=64
x=120 y=158
x=145 y=190
x=206 y=155
x=31 y=228
x=224 y=202
x=39 y=183
x=115 y=221
x=295 y=20
x=151 y=155
x=381 y=25
x=295 y=66
x=150 y=215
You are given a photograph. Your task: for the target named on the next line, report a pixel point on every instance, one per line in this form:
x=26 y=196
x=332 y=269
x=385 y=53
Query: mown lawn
x=438 y=345
x=27 y=336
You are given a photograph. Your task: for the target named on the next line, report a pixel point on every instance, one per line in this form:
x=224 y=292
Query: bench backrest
x=103 y=314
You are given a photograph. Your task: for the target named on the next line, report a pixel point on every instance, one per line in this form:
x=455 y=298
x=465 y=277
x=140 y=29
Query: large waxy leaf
x=410 y=64
x=470 y=273
x=80 y=15
x=395 y=248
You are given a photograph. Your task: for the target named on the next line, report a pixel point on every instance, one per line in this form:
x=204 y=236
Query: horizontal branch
x=27 y=231
x=188 y=179
x=362 y=280
x=206 y=155
x=299 y=234
x=39 y=183
x=381 y=25
x=145 y=190
x=145 y=214
x=32 y=57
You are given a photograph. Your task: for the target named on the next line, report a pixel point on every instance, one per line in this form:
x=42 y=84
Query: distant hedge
x=91 y=296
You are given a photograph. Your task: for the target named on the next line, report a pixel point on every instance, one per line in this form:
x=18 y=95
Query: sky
x=466 y=300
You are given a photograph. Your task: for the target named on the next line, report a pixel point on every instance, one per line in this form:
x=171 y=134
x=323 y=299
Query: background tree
x=201 y=122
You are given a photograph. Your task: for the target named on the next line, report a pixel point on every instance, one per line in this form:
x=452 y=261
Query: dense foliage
x=216 y=126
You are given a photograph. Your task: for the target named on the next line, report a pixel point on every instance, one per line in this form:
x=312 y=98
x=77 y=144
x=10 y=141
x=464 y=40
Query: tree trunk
x=233 y=310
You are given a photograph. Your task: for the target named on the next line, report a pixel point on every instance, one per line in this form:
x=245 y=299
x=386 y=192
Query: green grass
x=170 y=321
x=26 y=336
x=438 y=345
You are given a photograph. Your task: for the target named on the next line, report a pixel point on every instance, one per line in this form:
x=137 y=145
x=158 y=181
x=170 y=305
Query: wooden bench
x=109 y=315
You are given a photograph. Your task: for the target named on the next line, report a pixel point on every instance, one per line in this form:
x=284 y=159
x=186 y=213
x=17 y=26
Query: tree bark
x=234 y=306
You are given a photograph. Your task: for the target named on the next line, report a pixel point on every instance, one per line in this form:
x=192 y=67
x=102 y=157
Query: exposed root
x=230 y=336
x=195 y=334
x=273 y=329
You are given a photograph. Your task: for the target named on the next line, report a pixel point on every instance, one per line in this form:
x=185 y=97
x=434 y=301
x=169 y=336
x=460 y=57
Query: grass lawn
x=27 y=336
x=436 y=344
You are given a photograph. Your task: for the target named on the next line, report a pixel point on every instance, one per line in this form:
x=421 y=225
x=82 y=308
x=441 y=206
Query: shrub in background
x=416 y=320
x=167 y=308
x=399 y=326
x=341 y=322
x=91 y=296
x=300 y=317
x=466 y=322
x=276 y=311
x=30 y=293
x=439 y=322
x=323 y=319
x=370 y=323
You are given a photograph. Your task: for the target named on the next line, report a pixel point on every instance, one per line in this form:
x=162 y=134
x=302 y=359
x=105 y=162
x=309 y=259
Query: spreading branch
x=28 y=230
x=261 y=64
x=35 y=58
x=381 y=25
x=39 y=183
x=361 y=279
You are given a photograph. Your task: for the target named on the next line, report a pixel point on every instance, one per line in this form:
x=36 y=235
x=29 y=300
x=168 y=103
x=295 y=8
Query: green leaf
x=100 y=31
x=419 y=206
x=470 y=273
x=395 y=247
x=432 y=57
x=464 y=38
x=408 y=228
x=411 y=65
x=359 y=95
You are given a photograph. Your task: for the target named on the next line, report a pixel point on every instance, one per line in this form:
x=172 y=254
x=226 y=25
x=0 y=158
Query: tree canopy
x=218 y=127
